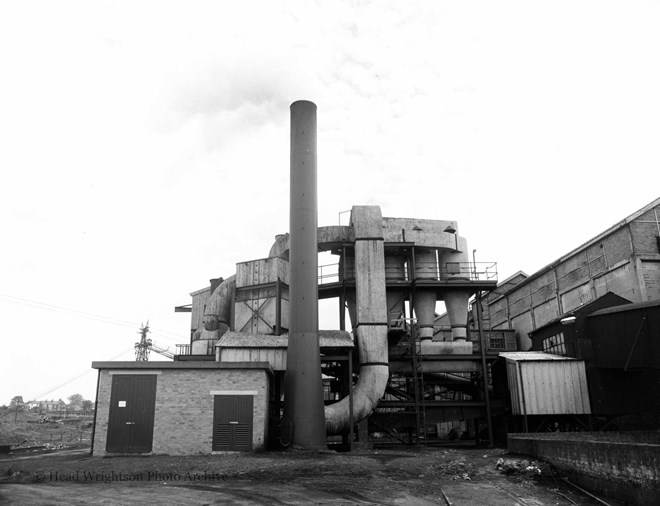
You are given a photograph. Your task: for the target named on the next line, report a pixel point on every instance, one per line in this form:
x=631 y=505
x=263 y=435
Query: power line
x=81 y=314
x=87 y=371
x=63 y=310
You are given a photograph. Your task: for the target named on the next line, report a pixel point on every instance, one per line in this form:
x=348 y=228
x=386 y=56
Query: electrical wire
x=81 y=314
x=170 y=336
x=87 y=371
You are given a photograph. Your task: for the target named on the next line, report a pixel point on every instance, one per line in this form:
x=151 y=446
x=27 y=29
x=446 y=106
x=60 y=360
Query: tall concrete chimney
x=303 y=390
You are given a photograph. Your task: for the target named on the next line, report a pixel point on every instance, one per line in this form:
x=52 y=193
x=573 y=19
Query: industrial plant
x=556 y=351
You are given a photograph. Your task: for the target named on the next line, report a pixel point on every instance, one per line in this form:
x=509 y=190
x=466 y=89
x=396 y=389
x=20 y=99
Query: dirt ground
x=391 y=477
x=35 y=429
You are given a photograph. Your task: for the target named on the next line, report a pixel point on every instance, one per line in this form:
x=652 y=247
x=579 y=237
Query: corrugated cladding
x=199 y=300
x=276 y=357
x=261 y=271
x=550 y=386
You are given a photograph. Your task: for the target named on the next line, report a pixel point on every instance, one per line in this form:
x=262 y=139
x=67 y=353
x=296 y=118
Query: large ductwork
x=371 y=324
x=217 y=317
x=217 y=314
x=303 y=397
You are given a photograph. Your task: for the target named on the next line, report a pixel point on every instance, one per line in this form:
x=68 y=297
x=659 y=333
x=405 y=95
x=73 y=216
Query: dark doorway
x=232 y=423
x=131 y=420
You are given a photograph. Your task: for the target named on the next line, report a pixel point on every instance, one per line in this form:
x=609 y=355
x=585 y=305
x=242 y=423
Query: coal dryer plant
x=258 y=372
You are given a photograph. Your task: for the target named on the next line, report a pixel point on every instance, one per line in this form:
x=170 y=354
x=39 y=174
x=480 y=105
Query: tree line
x=76 y=403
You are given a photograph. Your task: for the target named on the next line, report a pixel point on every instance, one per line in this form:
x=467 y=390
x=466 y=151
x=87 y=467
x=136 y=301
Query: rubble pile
x=525 y=467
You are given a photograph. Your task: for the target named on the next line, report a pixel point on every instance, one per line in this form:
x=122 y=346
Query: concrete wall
x=622 y=465
x=183 y=418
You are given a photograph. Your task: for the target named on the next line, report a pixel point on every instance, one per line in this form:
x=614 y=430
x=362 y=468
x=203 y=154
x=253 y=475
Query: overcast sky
x=144 y=146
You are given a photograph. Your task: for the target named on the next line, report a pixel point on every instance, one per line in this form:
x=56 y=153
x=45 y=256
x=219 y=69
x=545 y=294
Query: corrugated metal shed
x=546 y=384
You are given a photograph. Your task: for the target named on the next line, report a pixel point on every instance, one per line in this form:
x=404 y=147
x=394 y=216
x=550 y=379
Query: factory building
x=258 y=372
x=624 y=260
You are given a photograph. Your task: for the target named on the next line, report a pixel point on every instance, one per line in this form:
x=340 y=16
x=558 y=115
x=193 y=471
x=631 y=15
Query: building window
x=497 y=343
x=555 y=344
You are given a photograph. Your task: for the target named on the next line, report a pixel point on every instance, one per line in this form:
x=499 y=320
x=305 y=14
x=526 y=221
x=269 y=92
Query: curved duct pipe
x=218 y=309
x=374 y=373
x=371 y=323
x=216 y=320
x=280 y=248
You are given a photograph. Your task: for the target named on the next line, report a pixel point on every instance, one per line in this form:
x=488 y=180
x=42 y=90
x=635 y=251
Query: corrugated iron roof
x=520 y=356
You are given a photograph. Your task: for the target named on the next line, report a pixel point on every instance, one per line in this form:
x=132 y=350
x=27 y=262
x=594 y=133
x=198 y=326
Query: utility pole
x=142 y=346
x=18 y=400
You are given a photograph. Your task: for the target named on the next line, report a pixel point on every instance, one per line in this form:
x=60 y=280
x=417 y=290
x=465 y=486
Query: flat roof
x=531 y=356
x=187 y=364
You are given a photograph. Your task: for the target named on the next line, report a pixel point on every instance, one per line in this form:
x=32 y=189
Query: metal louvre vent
x=223 y=433
x=232 y=426
x=232 y=437
x=242 y=435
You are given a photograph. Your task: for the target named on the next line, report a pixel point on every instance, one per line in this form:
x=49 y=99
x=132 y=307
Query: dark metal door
x=232 y=423
x=131 y=420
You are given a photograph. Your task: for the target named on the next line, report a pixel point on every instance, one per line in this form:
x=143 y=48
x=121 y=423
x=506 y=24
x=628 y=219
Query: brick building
x=181 y=407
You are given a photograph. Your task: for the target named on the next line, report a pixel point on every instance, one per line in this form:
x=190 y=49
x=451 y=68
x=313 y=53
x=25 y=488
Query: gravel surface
x=405 y=476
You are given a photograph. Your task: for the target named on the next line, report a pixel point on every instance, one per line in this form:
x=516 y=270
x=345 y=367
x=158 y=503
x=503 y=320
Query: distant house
x=51 y=405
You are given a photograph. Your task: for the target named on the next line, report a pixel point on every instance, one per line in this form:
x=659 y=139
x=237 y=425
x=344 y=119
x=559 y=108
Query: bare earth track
x=392 y=477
